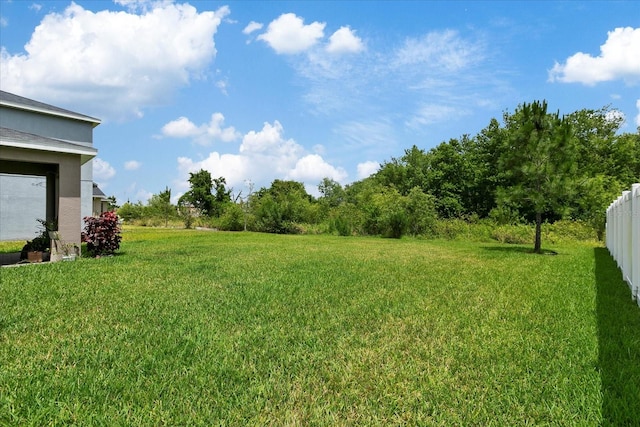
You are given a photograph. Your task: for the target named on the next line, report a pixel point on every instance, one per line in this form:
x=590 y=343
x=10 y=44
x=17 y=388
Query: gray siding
x=45 y=125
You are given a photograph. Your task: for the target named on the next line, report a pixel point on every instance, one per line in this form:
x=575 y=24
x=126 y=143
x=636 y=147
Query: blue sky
x=256 y=91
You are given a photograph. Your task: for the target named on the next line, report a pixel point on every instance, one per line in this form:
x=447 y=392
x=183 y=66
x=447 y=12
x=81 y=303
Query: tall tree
x=605 y=163
x=483 y=155
x=449 y=177
x=199 y=196
x=538 y=159
x=222 y=196
x=331 y=191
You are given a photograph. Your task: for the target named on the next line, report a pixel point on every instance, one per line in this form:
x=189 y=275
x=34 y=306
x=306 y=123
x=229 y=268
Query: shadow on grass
x=618 y=344
x=518 y=249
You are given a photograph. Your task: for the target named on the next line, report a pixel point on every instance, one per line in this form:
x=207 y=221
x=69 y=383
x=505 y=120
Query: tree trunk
x=538 y=244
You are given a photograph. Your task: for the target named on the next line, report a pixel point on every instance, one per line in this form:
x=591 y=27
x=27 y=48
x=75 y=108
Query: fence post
x=635 y=241
x=626 y=239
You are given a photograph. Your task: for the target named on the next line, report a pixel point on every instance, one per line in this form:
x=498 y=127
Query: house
x=101 y=203
x=45 y=168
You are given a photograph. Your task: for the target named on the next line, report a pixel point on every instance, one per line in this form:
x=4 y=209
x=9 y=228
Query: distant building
x=100 y=201
x=45 y=168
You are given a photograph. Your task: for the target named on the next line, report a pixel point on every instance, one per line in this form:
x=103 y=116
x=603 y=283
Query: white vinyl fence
x=623 y=237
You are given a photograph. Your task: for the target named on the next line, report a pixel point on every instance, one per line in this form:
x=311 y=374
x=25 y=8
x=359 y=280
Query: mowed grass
x=206 y=328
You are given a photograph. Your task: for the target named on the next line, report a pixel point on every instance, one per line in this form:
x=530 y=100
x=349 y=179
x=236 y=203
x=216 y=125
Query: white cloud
x=269 y=152
x=143 y=195
x=102 y=171
x=180 y=128
x=432 y=113
x=369 y=136
x=132 y=165
x=204 y=134
x=438 y=49
x=222 y=85
x=113 y=64
x=288 y=35
x=638 y=116
x=619 y=59
x=3 y=21
x=367 y=168
x=344 y=41
x=133 y=193
x=441 y=66
x=263 y=156
x=253 y=26
x=269 y=139
x=234 y=168
x=313 y=168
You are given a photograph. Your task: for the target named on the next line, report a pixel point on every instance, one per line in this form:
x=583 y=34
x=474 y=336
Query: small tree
x=102 y=234
x=131 y=211
x=112 y=203
x=186 y=212
x=160 y=206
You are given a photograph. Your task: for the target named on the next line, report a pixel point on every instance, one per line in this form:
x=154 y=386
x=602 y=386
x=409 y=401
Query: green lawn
x=206 y=328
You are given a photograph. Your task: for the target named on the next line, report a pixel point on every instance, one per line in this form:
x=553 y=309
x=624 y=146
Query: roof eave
x=85 y=153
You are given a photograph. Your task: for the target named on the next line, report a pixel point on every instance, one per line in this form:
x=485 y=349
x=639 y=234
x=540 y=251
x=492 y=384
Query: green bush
x=342 y=225
x=232 y=218
x=564 y=230
x=394 y=223
x=421 y=212
x=505 y=215
x=464 y=229
x=514 y=234
x=450 y=229
x=344 y=220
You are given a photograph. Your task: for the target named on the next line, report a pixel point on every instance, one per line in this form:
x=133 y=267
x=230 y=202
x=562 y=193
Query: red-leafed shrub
x=102 y=234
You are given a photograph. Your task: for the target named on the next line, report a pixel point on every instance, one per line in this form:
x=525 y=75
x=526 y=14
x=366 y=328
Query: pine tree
x=538 y=160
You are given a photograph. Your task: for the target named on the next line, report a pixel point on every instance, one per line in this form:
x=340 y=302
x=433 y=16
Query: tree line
x=534 y=167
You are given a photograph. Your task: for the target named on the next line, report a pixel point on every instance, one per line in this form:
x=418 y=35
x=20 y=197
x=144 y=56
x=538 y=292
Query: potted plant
x=70 y=251
x=35 y=250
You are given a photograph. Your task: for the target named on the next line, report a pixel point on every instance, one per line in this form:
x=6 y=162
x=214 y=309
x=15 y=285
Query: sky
x=255 y=91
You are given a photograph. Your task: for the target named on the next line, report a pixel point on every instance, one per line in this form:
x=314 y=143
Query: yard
x=210 y=328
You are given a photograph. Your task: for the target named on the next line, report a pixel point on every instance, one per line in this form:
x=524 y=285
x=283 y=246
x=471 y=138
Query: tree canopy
x=534 y=166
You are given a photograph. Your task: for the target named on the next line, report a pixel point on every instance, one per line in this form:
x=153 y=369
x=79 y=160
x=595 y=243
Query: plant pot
x=34 y=256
